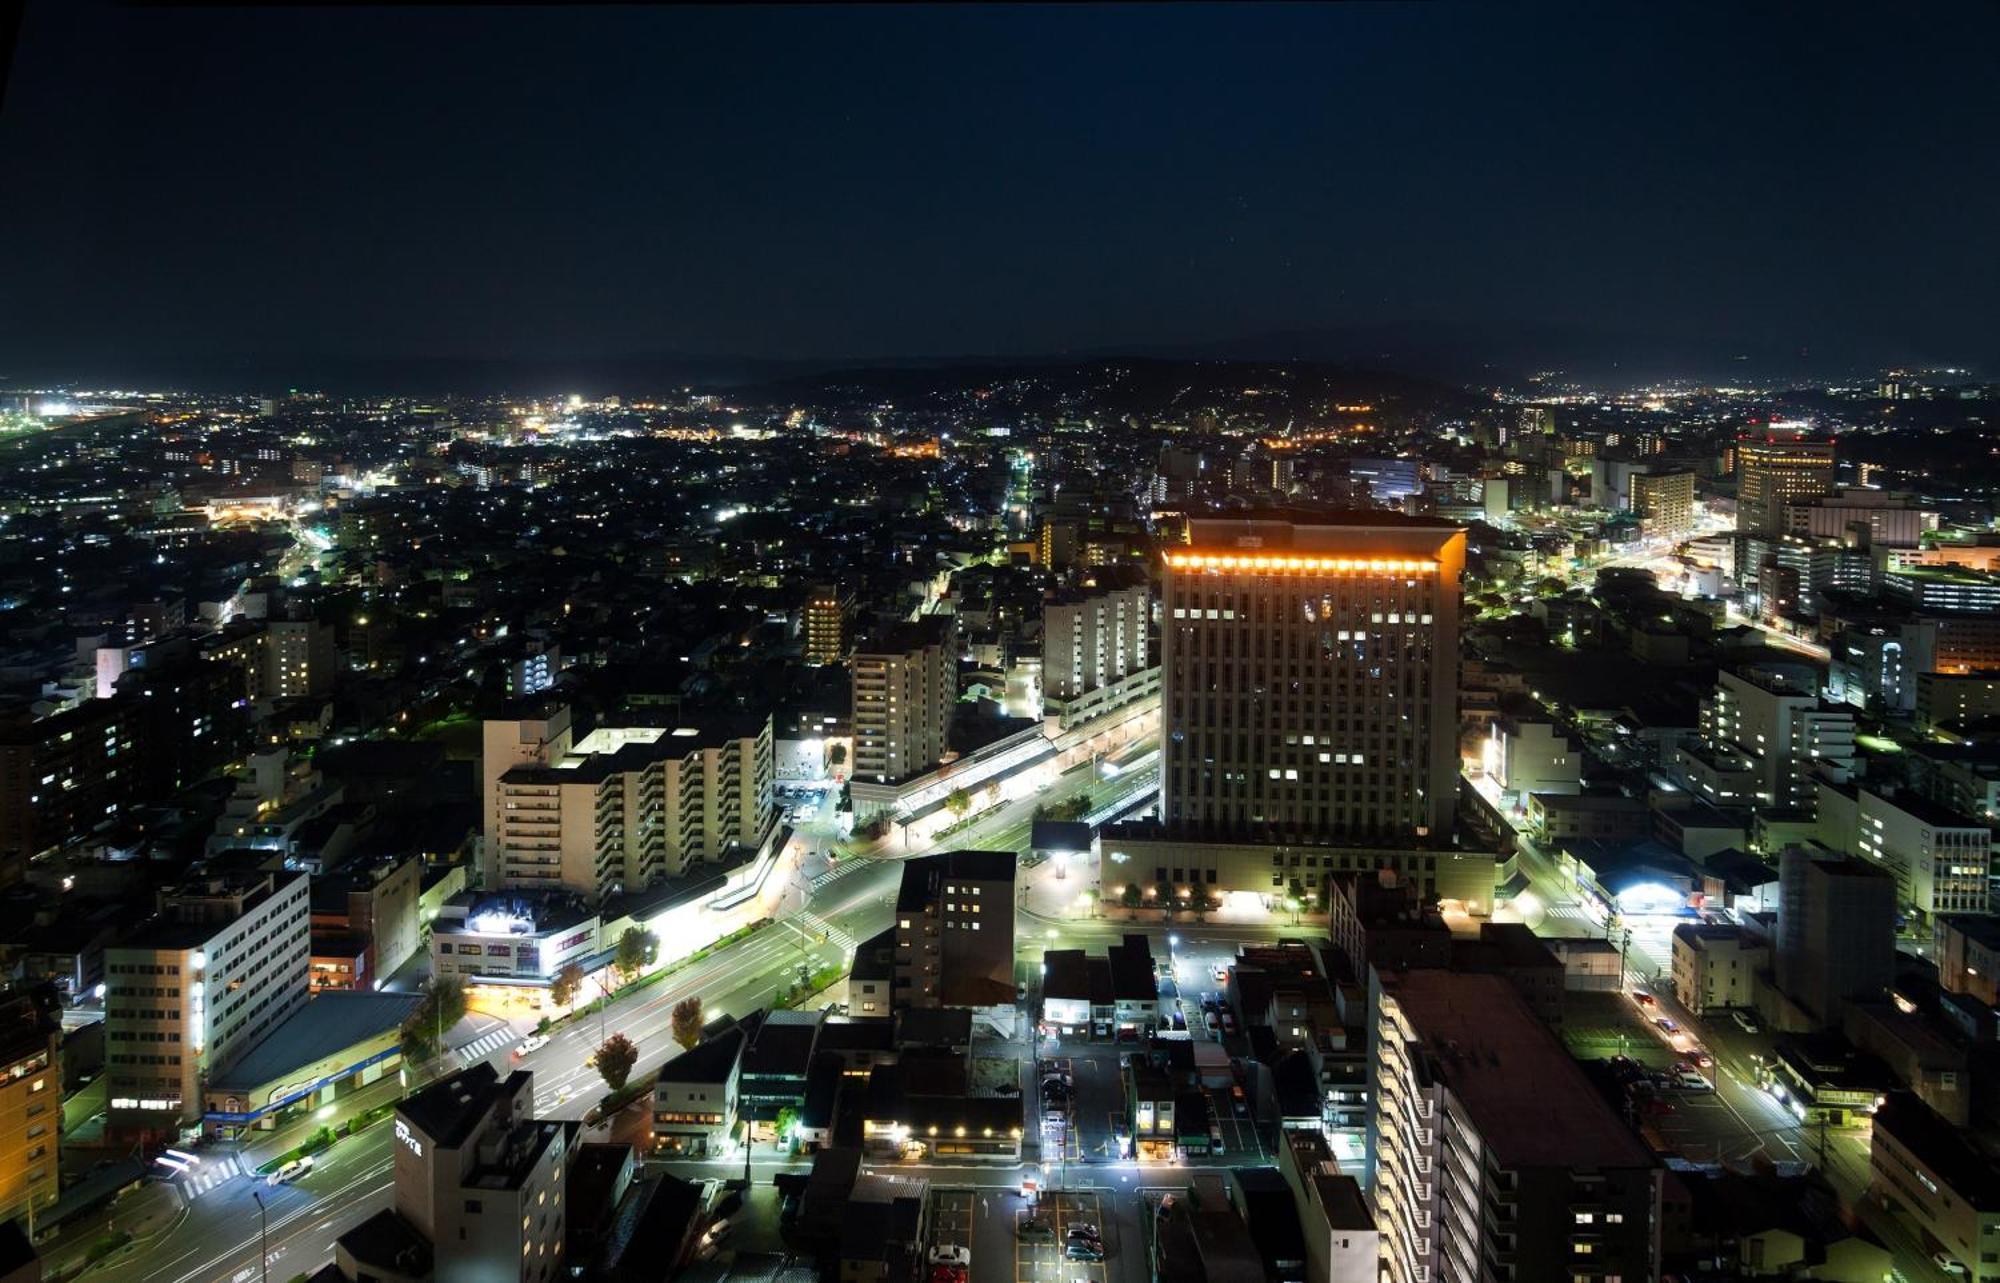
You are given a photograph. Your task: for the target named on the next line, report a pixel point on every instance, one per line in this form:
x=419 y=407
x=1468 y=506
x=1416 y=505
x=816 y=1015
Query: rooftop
x=711 y=1061
x=1940 y=1147
x=924 y=878
x=326 y=1025
x=1531 y=1103
x=449 y=1110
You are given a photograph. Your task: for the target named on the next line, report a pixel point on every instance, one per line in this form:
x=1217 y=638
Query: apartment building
x=694 y=1097
x=1494 y=1156
x=955 y=931
x=905 y=685
x=224 y=960
x=1715 y=967
x=829 y=615
x=626 y=807
x=539 y=734
x=1095 y=636
x=30 y=1106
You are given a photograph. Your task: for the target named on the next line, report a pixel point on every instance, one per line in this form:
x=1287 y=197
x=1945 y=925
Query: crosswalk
x=480 y=1048
x=214 y=1170
x=820 y=926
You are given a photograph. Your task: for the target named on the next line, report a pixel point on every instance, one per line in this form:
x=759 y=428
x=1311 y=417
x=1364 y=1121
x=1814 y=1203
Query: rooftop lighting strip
x=1300 y=565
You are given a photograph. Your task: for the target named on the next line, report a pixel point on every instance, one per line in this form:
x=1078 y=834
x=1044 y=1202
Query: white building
x=479 y=1186
x=227 y=957
x=1715 y=967
x=1773 y=719
x=628 y=807
x=1528 y=757
x=538 y=737
x=1094 y=637
x=905 y=686
x=1942 y=861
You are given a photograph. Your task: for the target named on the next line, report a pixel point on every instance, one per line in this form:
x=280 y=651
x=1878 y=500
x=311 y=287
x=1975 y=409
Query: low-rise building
x=1968 y=956
x=1716 y=966
x=1929 y=1176
x=30 y=1106
x=694 y=1098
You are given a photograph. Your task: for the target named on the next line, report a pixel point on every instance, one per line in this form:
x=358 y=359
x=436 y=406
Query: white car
x=951 y=1254
x=290 y=1171
x=533 y=1042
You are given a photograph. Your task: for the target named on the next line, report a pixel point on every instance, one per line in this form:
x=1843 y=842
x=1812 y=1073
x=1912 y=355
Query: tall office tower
x=1495 y=1158
x=1836 y=931
x=479 y=1188
x=1095 y=636
x=630 y=806
x=1774 y=469
x=905 y=686
x=827 y=613
x=30 y=1105
x=1771 y=723
x=540 y=734
x=1311 y=677
x=222 y=963
x=955 y=931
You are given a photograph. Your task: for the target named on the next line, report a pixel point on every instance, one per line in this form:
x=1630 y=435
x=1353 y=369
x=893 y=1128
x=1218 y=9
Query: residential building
x=1311 y=677
x=539 y=735
x=1095 y=636
x=1881 y=665
x=628 y=807
x=299 y=658
x=694 y=1097
x=1836 y=930
x=31 y=1117
x=224 y=960
x=1494 y=1157
x=1775 y=469
x=1931 y=1178
x=955 y=931
x=1716 y=966
x=1955 y=700
x=905 y=687
x=829 y=614
x=1771 y=717
x=479 y=1187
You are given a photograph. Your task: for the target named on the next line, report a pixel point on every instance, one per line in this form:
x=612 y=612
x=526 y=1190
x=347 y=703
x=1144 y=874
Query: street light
x=263 y=1236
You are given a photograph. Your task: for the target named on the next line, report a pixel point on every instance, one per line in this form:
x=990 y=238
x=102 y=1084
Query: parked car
x=1689 y=1080
x=1228 y=1021
x=1948 y=1263
x=1035 y=1231
x=951 y=1254
x=1085 y=1228
x=1744 y=1021
x=1078 y=1249
x=950 y=1274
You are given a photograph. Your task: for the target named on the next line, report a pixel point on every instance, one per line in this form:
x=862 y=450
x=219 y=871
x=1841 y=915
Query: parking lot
x=1046 y=1262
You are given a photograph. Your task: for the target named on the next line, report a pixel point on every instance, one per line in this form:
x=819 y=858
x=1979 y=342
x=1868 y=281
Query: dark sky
x=191 y=184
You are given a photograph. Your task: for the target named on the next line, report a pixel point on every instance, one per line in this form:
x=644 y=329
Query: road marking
x=480 y=1048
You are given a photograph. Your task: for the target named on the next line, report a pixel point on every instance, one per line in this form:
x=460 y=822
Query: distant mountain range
x=1467 y=355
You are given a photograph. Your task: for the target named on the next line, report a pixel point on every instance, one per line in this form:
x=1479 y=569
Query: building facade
x=1494 y=1157
x=30 y=1106
x=905 y=687
x=955 y=931
x=224 y=961
x=1094 y=637
x=1774 y=470
x=1310 y=678
x=1774 y=720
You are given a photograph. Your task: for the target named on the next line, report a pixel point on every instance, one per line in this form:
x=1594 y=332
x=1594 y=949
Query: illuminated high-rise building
x=905 y=686
x=1775 y=469
x=827 y=615
x=1311 y=678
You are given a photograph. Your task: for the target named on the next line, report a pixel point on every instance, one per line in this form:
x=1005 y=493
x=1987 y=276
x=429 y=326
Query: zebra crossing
x=213 y=1170
x=480 y=1048
x=811 y=921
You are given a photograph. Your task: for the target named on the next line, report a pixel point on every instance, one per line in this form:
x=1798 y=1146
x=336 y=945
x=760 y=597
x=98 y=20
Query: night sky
x=189 y=185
